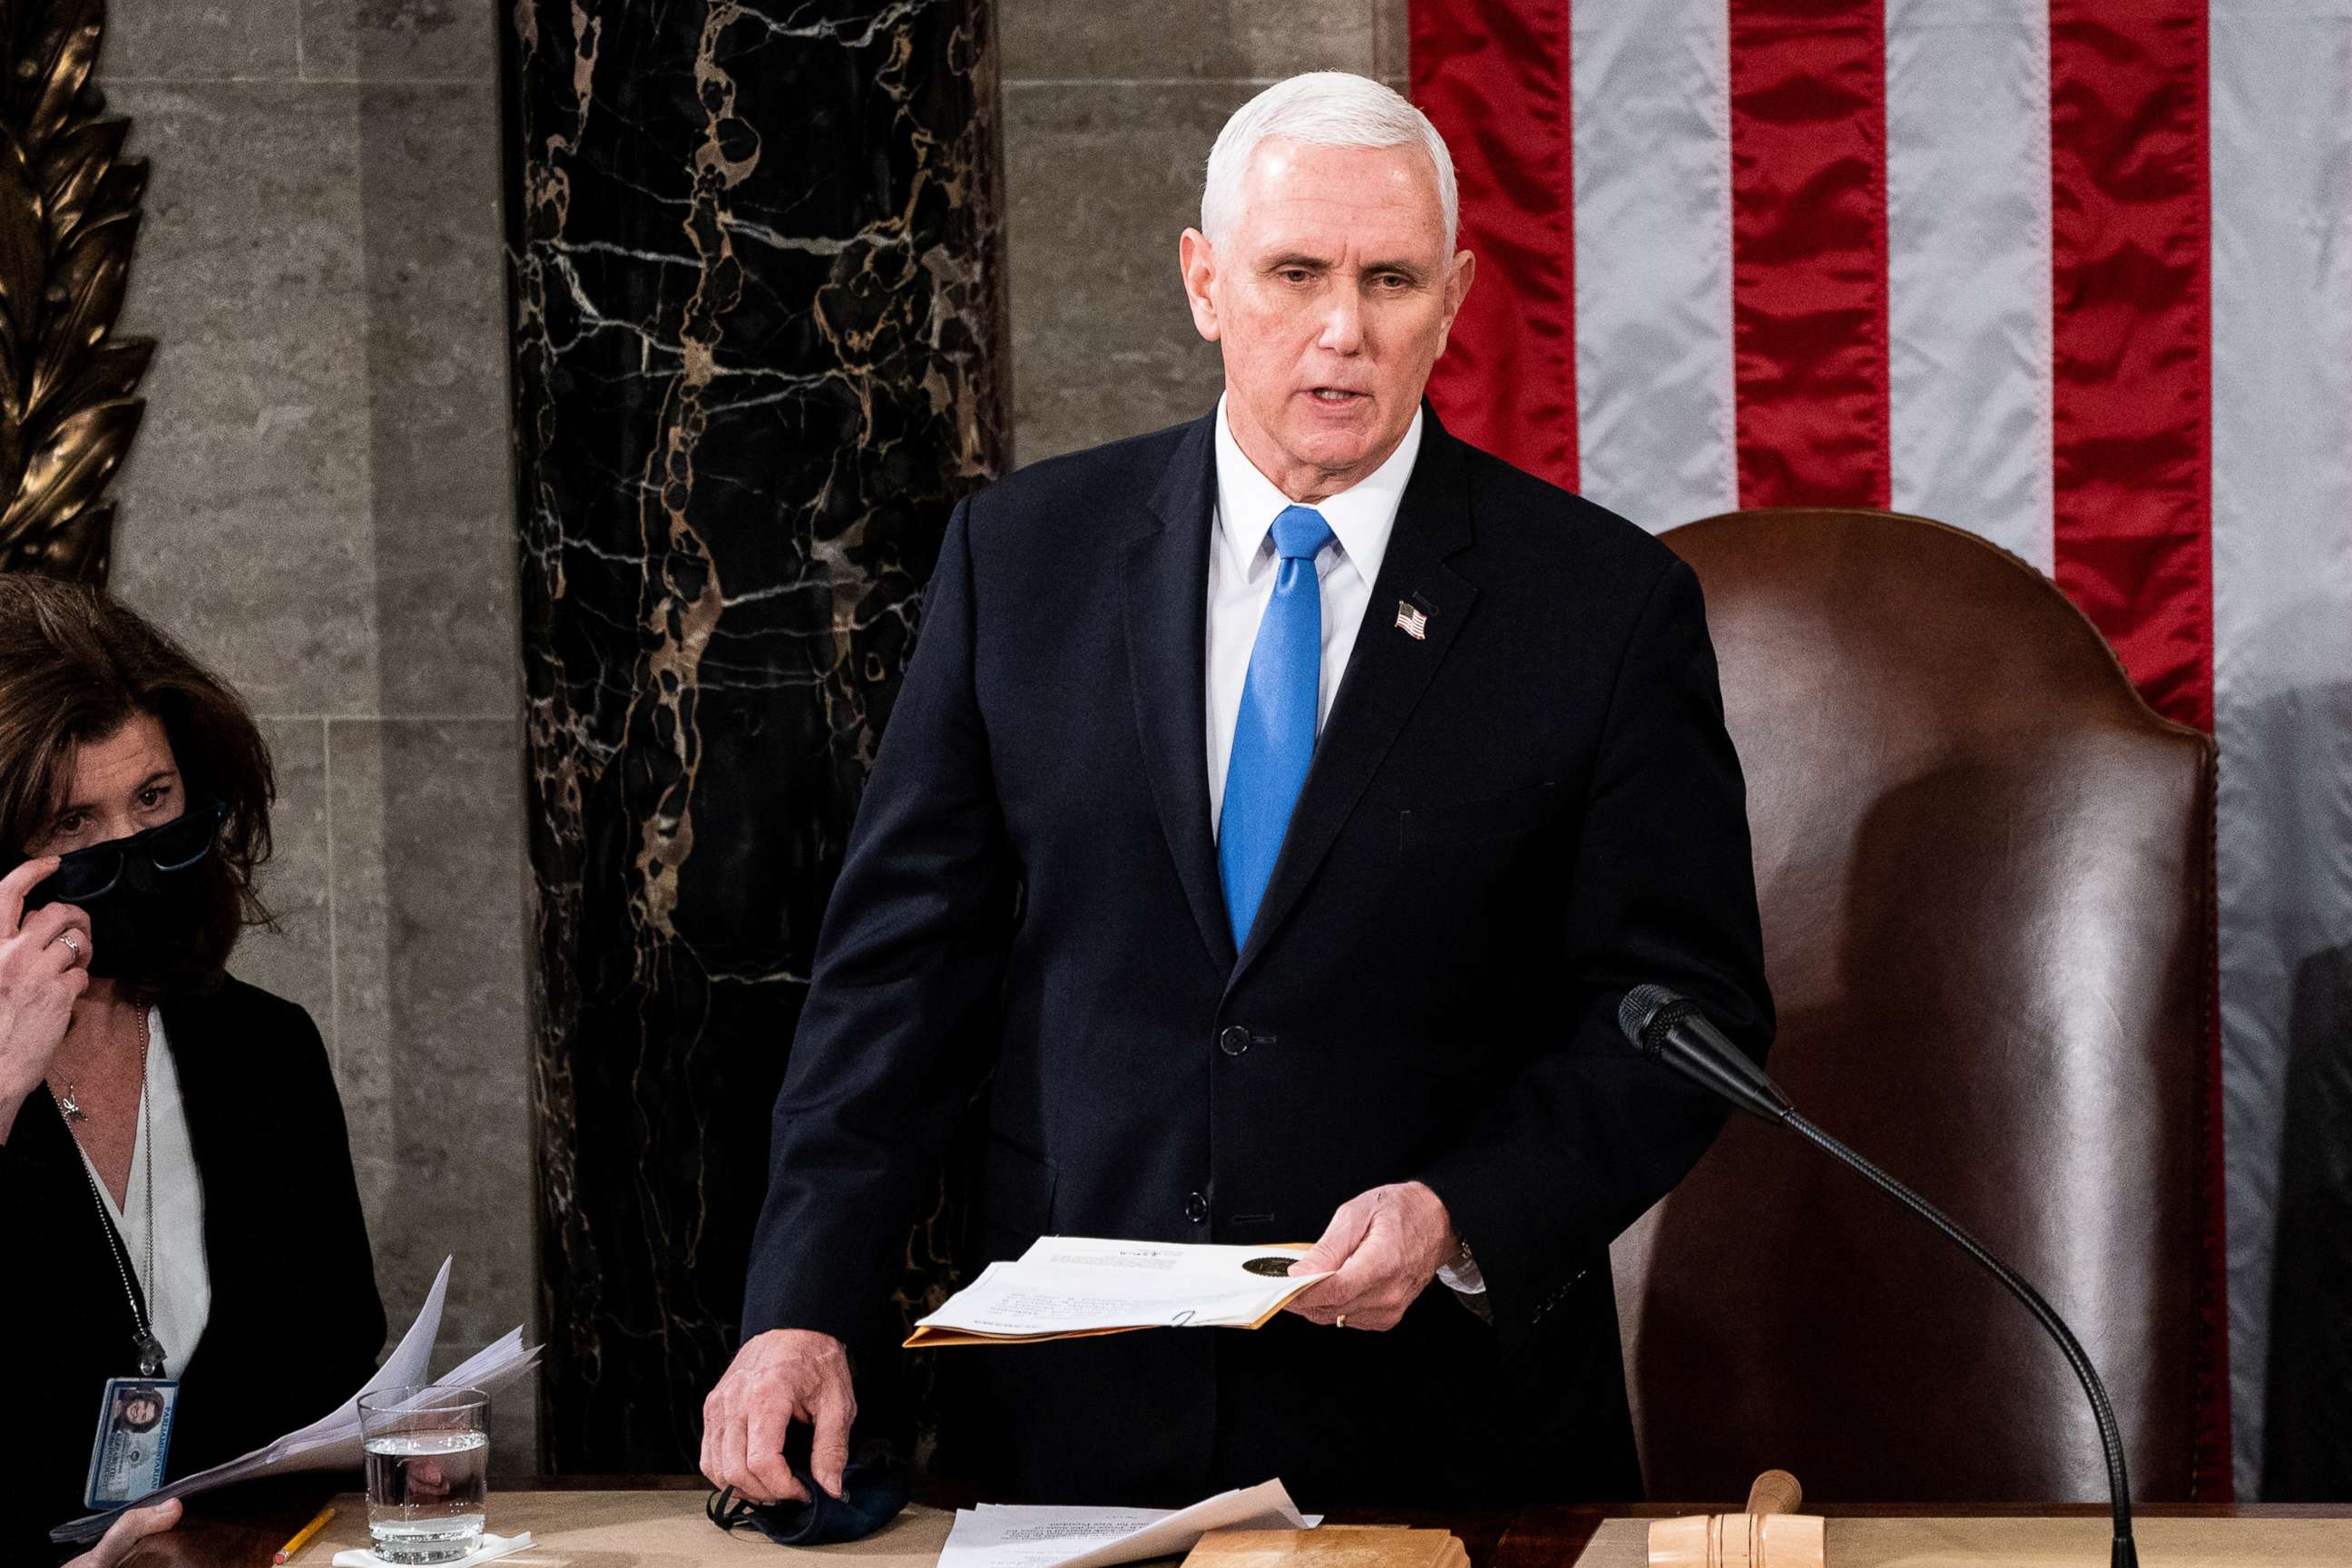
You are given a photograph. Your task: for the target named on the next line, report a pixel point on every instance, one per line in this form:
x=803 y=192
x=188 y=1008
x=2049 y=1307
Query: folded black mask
x=143 y=894
x=872 y=1493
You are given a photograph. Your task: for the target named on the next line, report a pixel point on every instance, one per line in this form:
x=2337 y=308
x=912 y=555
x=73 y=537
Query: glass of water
x=428 y=1461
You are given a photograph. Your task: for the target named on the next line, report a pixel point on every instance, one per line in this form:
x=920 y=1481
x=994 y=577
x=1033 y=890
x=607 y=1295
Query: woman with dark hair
x=176 y=1196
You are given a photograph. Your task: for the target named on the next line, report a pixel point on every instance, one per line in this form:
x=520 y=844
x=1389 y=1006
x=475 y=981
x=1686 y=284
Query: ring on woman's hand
x=73 y=943
x=1341 y=1321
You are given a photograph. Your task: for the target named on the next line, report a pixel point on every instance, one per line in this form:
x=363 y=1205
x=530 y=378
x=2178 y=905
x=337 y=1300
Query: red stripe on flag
x=2132 y=433
x=2132 y=372
x=1493 y=77
x=1809 y=250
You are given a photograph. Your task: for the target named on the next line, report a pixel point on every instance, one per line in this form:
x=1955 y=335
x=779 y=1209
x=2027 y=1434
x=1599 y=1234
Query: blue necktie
x=1273 y=735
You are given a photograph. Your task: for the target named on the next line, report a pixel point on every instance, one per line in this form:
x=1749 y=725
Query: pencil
x=302 y=1537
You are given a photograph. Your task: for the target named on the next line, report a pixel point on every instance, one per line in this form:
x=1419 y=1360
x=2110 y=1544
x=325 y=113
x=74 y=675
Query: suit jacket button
x=1196 y=1208
x=1235 y=1040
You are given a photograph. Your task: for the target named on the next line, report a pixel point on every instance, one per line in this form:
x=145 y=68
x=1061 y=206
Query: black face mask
x=143 y=894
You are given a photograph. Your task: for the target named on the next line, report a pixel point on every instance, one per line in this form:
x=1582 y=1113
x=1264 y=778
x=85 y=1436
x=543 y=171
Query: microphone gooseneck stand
x=2126 y=1555
x=1671 y=1031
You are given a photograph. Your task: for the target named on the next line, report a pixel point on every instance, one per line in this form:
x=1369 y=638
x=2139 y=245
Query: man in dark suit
x=1281 y=804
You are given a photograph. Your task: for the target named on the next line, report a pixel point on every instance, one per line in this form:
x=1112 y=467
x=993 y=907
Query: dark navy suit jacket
x=1509 y=821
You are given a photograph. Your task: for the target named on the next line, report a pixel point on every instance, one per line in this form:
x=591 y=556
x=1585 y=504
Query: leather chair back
x=1985 y=872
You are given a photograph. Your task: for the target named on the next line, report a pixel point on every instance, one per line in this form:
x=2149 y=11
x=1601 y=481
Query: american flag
x=2074 y=274
x=1414 y=623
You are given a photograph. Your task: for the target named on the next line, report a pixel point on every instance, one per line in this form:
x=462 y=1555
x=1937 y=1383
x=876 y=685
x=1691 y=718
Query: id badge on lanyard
x=134 y=1441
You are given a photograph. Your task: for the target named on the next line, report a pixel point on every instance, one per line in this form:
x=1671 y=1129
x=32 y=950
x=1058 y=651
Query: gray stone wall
x=1109 y=108
x=320 y=506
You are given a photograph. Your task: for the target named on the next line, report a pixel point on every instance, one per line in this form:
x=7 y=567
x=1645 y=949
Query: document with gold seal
x=1065 y=1287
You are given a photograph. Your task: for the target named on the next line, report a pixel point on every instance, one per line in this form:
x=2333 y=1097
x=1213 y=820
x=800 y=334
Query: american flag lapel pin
x=1413 y=620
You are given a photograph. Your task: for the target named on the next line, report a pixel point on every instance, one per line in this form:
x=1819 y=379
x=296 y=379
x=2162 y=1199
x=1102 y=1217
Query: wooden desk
x=1949 y=1537
x=662 y=1526
x=651 y=1530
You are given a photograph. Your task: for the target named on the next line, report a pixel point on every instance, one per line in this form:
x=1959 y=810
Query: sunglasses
x=92 y=873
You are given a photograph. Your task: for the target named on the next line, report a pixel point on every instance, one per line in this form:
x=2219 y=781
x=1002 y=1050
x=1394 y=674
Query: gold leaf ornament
x=68 y=216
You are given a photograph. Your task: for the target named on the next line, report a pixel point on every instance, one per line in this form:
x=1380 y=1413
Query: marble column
x=757 y=355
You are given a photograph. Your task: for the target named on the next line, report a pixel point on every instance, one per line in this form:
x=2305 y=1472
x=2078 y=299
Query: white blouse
x=180 y=1295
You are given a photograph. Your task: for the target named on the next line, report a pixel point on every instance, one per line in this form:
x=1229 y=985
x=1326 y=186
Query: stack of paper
x=1065 y=1287
x=332 y=1441
x=996 y=1535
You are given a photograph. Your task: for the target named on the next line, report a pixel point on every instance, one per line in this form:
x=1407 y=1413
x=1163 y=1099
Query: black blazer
x=1509 y=823
x=295 y=1324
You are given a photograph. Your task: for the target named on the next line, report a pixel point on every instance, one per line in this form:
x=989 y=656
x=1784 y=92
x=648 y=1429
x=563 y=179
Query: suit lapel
x=1167 y=655
x=1386 y=675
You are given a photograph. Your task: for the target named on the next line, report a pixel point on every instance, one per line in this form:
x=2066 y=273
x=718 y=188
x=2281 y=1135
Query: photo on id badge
x=134 y=1439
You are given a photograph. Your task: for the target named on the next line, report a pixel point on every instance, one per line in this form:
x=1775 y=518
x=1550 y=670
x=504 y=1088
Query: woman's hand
x=131 y=1526
x=44 y=970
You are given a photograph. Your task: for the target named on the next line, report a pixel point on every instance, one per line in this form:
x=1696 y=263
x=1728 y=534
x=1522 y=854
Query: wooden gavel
x=1770 y=1534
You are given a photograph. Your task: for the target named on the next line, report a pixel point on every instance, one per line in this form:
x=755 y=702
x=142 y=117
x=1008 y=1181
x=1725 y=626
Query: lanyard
x=149 y=1348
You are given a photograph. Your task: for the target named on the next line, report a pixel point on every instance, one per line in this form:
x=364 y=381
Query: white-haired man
x=1280 y=806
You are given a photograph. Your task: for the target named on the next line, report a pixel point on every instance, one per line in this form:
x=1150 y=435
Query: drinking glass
x=428 y=1460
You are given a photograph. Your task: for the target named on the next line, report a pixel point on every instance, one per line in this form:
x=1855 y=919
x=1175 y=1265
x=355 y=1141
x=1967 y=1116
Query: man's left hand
x=1386 y=1246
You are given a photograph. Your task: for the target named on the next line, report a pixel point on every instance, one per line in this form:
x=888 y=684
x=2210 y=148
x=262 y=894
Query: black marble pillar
x=758 y=352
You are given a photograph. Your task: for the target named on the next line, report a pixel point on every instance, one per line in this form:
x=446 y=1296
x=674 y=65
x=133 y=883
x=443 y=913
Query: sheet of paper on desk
x=1064 y=1287
x=332 y=1441
x=1004 y=1536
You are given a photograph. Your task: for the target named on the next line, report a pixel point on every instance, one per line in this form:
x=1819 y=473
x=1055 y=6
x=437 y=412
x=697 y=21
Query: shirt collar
x=1362 y=516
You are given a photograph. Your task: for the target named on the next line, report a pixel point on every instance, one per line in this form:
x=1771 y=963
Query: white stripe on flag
x=1968 y=239
x=1653 y=139
x=2282 y=161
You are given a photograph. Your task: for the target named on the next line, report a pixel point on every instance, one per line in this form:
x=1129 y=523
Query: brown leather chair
x=1985 y=871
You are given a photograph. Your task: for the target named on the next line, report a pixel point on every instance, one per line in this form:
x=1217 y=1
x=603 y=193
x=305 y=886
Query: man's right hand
x=778 y=1377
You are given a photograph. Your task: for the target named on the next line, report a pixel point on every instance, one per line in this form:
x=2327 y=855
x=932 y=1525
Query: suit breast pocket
x=1460 y=823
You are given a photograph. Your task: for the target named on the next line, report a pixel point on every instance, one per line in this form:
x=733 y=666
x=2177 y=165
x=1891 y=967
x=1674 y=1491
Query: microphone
x=1670 y=1030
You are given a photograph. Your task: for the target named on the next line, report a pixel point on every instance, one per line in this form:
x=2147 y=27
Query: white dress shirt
x=180 y=1293
x=1241 y=568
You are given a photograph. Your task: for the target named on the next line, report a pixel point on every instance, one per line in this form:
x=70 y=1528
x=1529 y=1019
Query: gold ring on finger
x=1341 y=1321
